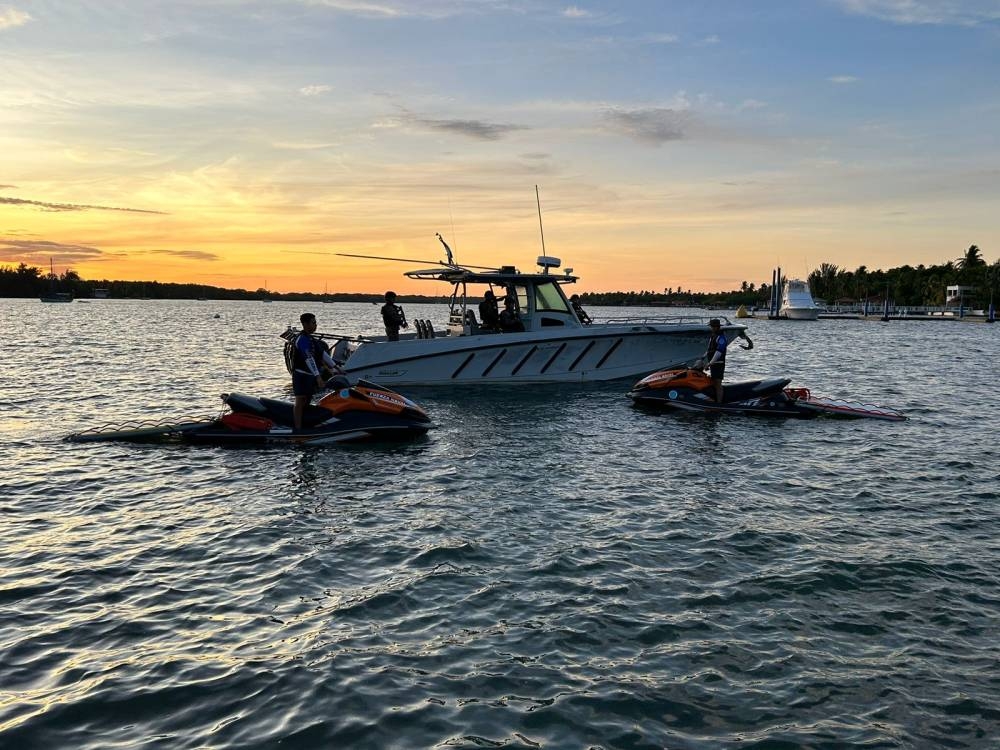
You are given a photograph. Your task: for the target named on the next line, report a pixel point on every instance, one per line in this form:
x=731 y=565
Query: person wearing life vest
x=715 y=357
x=310 y=357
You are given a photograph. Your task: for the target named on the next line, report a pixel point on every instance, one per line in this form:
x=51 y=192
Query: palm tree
x=972 y=259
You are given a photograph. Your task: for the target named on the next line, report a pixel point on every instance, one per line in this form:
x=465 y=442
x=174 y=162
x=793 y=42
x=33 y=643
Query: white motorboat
x=556 y=344
x=797 y=302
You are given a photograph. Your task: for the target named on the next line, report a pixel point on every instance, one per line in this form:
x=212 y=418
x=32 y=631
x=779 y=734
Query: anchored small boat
x=692 y=390
x=54 y=295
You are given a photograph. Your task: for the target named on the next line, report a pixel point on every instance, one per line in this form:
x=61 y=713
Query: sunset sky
x=674 y=143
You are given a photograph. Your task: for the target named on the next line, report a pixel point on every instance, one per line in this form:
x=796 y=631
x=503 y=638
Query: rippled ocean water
x=547 y=568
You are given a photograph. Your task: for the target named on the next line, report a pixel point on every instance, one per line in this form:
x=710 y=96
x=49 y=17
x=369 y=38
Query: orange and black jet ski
x=692 y=390
x=362 y=412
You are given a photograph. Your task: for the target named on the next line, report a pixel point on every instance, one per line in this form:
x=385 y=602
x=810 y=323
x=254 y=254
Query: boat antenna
x=452 y=218
x=447 y=249
x=541 y=230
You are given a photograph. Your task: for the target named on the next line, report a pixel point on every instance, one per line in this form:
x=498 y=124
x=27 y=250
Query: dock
x=967 y=318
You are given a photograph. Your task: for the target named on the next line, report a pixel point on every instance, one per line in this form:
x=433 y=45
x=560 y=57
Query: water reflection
x=544 y=536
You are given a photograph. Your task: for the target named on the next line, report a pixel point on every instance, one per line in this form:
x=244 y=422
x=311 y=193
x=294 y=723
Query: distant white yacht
x=797 y=302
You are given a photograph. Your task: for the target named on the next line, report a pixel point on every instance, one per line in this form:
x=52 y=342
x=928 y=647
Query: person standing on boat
x=578 y=309
x=311 y=355
x=489 y=311
x=715 y=357
x=393 y=317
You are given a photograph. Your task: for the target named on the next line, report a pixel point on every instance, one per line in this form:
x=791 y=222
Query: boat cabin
x=538 y=298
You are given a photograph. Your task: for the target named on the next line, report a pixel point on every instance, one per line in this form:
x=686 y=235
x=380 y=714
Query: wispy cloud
x=842 y=79
x=574 y=12
x=315 y=90
x=402 y=9
x=303 y=145
x=481 y=130
x=383 y=10
x=652 y=126
x=39 y=251
x=188 y=254
x=46 y=206
x=477 y=129
x=659 y=38
x=946 y=12
x=12 y=17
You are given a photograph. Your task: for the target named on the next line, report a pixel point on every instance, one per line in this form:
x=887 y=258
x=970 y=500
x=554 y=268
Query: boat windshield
x=549 y=298
x=519 y=292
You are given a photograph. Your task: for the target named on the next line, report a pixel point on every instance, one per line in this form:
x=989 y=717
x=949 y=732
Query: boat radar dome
x=548 y=261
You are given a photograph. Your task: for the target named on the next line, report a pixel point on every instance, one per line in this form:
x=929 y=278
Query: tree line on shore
x=906 y=285
x=29 y=281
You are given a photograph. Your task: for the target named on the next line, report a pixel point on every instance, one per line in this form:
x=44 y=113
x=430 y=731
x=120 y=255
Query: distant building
x=100 y=294
x=957 y=294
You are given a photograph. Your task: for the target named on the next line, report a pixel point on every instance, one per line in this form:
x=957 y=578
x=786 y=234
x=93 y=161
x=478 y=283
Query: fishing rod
x=291 y=333
x=456 y=266
x=382 y=257
x=341 y=337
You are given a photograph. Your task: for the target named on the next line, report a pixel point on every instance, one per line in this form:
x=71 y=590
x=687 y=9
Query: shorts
x=303 y=383
x=716 y=370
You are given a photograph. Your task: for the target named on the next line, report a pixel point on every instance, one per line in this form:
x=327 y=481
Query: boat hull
x=799 y=313
x=589 y=356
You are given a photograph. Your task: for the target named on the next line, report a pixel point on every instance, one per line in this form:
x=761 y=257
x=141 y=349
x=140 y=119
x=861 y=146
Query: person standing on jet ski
x=311 y=355
x=715 y=357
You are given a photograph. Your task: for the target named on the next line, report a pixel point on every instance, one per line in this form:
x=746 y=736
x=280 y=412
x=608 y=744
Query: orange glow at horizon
x=618 y=249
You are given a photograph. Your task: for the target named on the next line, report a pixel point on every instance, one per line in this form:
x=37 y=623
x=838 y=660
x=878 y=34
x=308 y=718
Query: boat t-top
x=552 y=343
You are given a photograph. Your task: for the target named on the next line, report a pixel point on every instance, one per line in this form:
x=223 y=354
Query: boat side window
x=548 y=298
x=521 y=292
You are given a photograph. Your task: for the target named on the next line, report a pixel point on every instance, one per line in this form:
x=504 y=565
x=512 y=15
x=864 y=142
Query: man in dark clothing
x=393 y=317
x=510 y=321
x=489 y=312
x=715 y=357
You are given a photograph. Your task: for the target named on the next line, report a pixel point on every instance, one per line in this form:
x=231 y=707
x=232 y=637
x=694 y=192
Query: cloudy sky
x=673 y=142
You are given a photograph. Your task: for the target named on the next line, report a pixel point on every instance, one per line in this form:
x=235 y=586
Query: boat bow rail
x=677 y=320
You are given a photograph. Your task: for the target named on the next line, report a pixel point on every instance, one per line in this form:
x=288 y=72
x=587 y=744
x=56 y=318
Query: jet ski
x=364 y=411
x=692 y=390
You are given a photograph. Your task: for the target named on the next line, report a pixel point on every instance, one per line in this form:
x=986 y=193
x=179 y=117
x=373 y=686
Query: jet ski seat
x=281 y=412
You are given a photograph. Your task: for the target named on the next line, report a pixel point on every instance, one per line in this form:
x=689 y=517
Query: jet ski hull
x=346 y=430
x=363 y=412
x=692 y=391
x=772 y=406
